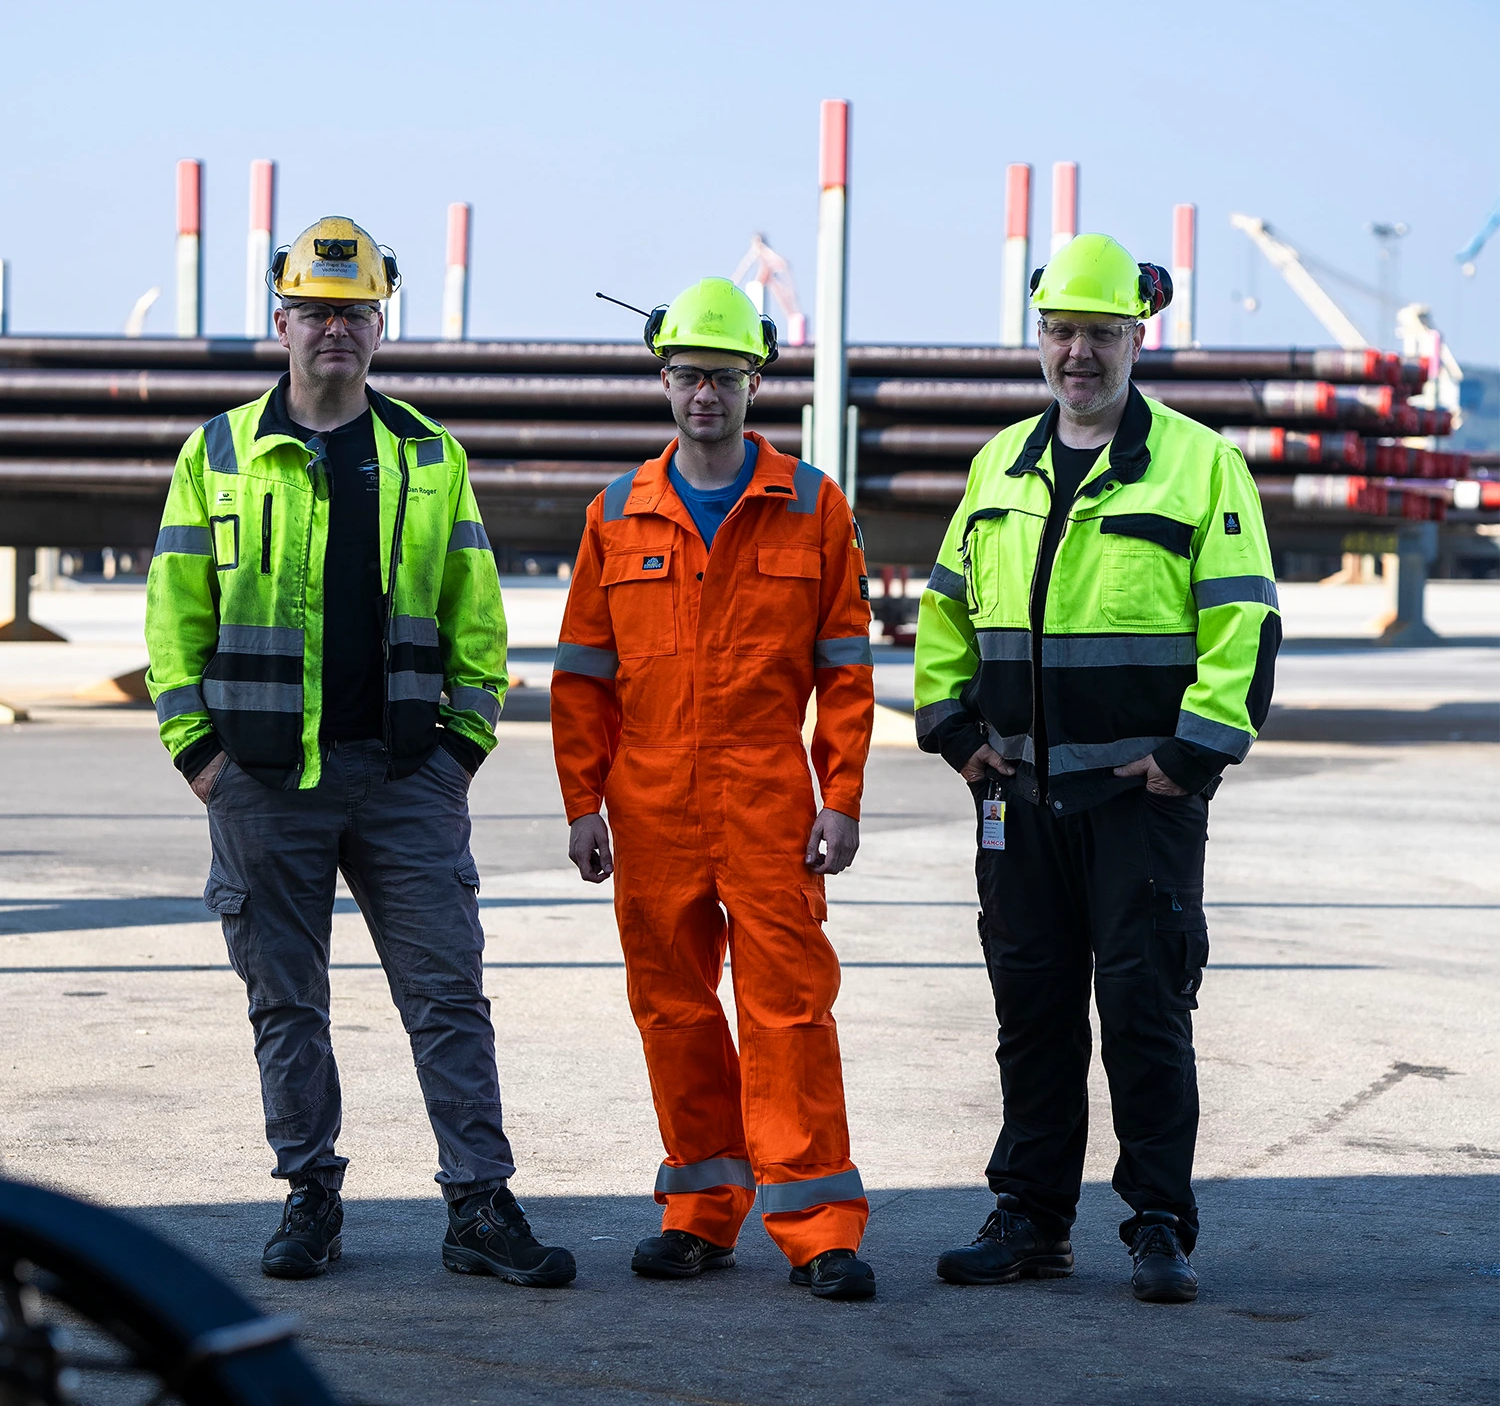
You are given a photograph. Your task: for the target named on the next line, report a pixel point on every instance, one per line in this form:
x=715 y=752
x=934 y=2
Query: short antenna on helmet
x=627 y=306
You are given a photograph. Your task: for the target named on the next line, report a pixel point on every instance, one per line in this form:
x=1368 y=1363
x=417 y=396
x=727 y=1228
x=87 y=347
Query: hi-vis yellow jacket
x=1160 y=628
x=234 y=597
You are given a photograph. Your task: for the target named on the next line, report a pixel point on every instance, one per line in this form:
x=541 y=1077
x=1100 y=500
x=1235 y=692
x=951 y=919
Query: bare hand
x=588 y=848
x=203 y=783
x=841 y=834
x=1157 y=781
x=986 y=756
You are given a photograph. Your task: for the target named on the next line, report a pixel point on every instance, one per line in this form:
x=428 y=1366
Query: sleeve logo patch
x=656 y=563
x=1231 y=524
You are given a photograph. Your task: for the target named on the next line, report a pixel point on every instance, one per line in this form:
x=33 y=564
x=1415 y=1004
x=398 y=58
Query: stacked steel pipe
x=548 y=424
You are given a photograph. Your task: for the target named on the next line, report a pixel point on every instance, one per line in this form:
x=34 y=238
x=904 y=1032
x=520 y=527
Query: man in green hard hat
x=1096 y=644
x=718 y=587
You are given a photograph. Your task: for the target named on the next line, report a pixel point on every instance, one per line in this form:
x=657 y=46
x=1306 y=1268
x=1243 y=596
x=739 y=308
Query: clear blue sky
x=634 y=147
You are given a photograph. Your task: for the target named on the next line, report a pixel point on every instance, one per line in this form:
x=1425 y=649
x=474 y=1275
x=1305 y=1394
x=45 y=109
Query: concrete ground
x=1349 y=1162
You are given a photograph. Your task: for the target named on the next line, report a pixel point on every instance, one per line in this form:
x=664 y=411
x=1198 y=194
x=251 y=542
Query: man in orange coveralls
x=717 y=586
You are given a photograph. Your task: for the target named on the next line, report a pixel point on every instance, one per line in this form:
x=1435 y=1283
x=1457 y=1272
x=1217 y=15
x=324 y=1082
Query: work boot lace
x=503 y=1207
x=1155 y=1240
x=1000 y=1224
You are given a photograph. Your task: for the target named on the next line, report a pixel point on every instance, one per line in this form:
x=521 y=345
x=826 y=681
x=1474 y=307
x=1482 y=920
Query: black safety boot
x=679 y=1254
x=1008 y=1247
x=309 y=1234
x=488 y=1234
x=835 y=1274
x=1162 y=1273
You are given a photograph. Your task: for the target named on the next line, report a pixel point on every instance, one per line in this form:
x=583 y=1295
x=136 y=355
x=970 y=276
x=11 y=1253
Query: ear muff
x=278 y=266
x=654 y=320
x=1155 y=288
x=392 y=272
x=768 y=331
x=1036 y=278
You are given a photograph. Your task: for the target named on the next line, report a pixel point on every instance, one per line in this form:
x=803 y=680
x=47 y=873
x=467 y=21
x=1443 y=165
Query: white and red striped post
x=830 y=366
x=1015 y=272
x=189 y=248
x=1181 y=332
x=456 y=277
x=796 y=329
x=258 y=248
x=1064 y=203
x=1152 y=341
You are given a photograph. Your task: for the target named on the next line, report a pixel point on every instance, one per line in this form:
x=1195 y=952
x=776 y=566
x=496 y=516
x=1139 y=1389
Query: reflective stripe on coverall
x=678 y=696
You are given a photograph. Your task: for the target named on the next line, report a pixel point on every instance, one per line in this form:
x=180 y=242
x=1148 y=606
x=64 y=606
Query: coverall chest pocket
x=641 y=607
x=776 y=602
x=1146 y=578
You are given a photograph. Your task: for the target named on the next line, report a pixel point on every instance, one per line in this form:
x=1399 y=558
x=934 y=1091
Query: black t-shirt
x=1069 y=469
x=353 y=660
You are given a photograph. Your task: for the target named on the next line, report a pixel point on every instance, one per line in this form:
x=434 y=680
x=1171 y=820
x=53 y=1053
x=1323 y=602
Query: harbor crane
x=1413 y=322
x=763 y=268
x=1470 y=252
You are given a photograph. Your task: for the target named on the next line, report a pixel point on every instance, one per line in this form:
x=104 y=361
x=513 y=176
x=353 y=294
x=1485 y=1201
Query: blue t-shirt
x=709 y=507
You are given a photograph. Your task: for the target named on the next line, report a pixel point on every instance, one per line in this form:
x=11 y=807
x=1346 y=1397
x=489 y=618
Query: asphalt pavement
x=1349 y=1163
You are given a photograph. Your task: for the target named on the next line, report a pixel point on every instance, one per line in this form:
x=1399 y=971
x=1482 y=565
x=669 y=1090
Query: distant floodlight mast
x=456 y=275
x=189 y=248
x=1015 y=273
x=258 y=248
x=763 y=270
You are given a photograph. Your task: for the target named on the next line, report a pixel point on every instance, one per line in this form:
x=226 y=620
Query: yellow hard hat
x=713 y=313
x=334 y=258
x=1094 y=273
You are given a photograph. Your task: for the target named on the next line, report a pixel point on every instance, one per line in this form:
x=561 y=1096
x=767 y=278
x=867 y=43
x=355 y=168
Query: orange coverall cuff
x=589 y=805
x=845 y=805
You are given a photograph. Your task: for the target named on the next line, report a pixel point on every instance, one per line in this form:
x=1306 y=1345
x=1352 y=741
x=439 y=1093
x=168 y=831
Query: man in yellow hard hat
x=717 y=588
x=328 y=662
x=1096 y=644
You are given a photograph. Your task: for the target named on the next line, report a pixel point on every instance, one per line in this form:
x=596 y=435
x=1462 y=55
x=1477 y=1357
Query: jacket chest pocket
x=641 y=605
x=1146 y=576
x=776 y=601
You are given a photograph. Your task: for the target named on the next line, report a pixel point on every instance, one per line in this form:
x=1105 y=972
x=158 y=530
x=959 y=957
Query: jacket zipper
x=390 y=596
x=265 y=535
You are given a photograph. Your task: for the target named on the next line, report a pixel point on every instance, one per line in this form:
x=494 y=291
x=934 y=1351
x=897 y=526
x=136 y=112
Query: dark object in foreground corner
x=172 y=1321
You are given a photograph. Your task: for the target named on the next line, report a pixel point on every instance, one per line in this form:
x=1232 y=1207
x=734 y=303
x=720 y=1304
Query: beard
x=1112 y=382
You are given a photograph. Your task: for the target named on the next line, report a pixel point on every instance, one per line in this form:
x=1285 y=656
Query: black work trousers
x=1114 y=892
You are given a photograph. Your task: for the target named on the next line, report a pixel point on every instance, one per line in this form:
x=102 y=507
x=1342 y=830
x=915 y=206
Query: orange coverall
x=678 y=697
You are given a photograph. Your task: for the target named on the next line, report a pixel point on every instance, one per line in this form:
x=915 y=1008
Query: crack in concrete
x=1330 y=1120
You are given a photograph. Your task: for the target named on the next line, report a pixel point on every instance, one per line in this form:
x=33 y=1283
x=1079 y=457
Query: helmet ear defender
x=768 y=331
x=1155 y=288
x=654 y=320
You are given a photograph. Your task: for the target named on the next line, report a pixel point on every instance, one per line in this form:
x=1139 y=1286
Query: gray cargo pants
x=403 y=848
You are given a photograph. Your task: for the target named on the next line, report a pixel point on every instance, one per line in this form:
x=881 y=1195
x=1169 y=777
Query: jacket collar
x=401 y=422
x=651 y=490
x=1129 y=458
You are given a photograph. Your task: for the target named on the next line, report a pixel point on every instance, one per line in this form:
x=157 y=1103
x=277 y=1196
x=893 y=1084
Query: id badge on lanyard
x=992 y=819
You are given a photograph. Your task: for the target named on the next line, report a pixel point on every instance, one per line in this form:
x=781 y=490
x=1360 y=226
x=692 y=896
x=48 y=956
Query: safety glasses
x=727 y=379
x=1099 y=335
x=355 y=316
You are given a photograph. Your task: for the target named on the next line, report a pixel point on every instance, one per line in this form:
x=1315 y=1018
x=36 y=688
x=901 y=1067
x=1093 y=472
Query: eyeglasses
x=727 y=379
x=355 y=316
x=1099 y=335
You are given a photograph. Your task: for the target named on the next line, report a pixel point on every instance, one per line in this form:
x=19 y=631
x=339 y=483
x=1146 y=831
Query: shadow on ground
x=1340 y=1289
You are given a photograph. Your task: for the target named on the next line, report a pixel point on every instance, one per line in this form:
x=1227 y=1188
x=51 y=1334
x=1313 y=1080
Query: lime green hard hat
x=713 y=313
x=1092 y=273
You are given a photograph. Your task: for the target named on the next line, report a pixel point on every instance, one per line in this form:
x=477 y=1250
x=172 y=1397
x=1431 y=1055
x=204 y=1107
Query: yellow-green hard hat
x=1092 y=273
x=712 y=313
x=334 y=258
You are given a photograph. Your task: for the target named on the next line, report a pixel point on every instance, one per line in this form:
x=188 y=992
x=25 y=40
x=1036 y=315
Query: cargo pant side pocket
x=1182 y=943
